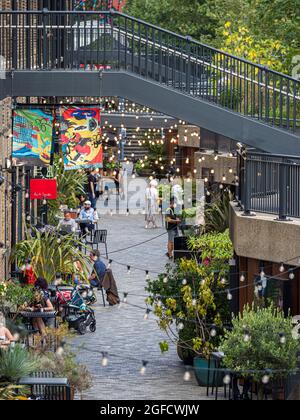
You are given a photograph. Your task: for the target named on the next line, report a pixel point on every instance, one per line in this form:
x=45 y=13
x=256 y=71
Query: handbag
x=111 y=298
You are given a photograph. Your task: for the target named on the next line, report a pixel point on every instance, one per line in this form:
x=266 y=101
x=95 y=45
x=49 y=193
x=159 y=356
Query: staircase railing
x=56 y=40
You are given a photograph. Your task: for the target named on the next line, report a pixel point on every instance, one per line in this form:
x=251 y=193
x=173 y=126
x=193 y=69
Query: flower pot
x=186 y=355
x=207 y=376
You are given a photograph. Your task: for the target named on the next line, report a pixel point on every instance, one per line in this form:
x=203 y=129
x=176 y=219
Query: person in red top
x=30 y=277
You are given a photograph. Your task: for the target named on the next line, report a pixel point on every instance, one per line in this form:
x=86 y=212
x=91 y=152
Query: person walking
x=92 y=183
x=172 y=223
x=152 y=204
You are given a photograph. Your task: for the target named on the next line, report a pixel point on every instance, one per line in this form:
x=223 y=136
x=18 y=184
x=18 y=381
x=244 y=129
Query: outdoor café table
x=28 y=315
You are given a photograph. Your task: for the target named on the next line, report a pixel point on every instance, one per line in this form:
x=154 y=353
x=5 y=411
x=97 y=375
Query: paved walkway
x=124 y=332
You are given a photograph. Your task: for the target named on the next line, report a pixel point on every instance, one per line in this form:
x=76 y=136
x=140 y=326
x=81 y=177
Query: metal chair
x=99 y=237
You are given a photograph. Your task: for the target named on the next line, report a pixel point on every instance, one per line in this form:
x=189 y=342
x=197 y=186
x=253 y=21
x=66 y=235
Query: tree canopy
x=263 y=31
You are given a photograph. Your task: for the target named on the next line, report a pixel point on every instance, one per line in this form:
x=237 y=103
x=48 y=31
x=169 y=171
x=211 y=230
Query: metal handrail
x=269 y=184
x=113 y=12
x=74 y=40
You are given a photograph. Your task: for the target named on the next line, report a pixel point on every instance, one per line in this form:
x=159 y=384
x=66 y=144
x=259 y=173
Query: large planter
x=205 y=375
x=186 y=355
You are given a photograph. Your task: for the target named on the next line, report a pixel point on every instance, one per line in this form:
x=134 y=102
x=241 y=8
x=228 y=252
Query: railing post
x=282 y=192
x=188 y=65
x=45 y=38
x=246 y=192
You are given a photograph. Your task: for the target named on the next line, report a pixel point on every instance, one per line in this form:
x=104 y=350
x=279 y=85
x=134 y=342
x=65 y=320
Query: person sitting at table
x=67 y=224
x=89 y=217
x=5 y=335
x=42 y=303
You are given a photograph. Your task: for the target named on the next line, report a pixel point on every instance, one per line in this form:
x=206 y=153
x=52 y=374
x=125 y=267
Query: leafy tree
x=186 y=18
x=259 y=30
x=263 y=31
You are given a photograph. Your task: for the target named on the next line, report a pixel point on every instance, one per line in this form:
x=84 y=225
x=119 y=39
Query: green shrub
x=254 y=347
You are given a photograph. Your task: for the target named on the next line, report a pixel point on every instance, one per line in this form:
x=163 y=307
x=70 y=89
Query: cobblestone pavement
x=124 y=331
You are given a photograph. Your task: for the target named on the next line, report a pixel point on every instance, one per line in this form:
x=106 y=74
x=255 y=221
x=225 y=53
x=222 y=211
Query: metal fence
x=109 y=39
x=61 y=5
x=269 y=184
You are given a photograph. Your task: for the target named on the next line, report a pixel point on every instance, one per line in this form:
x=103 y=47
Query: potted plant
x=15 y=363
x=262 y=347
x=70 y=184
x=51 y=253
x=191 y=301
x=13 y=296
x=64 y=364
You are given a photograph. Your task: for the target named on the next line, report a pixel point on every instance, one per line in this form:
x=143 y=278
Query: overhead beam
x=161 y=98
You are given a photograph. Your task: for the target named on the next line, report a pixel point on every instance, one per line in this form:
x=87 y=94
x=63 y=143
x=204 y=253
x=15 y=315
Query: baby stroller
x=64 y=294
x=78 y=314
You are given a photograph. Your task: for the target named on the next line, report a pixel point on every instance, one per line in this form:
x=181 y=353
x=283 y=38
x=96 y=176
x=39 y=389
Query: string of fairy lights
x=142 y=137
x=156 y=137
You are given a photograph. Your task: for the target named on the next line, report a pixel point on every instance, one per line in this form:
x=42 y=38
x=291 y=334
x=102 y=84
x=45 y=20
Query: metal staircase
x=114 y=54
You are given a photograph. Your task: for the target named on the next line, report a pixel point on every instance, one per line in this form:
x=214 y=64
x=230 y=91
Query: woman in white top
x=5 y=335
x=152 y=201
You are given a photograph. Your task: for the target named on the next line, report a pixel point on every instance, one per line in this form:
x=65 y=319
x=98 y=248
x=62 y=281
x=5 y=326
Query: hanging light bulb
x=144 y=367
x=180 y=326
x=292 y=275
x=147 y=275
x=223 y=281
x=227 y=379
x=187 y=376
x=247 y=336
x=194 y=302
x=109 y=264
x=281 y=268
x=282 y=338
x=265 y=379
x=262 y=273
x=104 y=361
x=128 y=270
x=242 y=278
x=125 y=297
x=165 y=280
x=213 y=331
x=146 y=316
x=184 y=282
x=229 y=295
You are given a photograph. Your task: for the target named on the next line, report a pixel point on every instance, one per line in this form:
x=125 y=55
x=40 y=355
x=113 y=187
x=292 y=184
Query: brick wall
x=5 y=196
